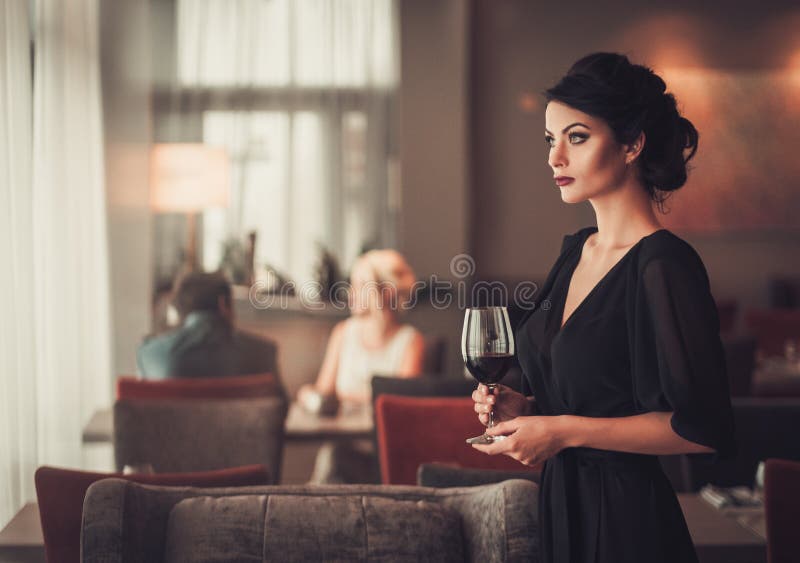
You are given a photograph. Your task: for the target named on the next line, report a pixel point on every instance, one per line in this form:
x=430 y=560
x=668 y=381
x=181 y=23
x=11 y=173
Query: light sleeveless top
x=358 y=364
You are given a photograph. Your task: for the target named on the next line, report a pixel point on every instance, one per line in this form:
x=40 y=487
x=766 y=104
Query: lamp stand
x=190 y=259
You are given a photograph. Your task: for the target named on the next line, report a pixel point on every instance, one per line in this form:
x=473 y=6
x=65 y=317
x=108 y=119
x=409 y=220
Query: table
x=733 y=535
x=21 y=540
x=352 y=421
x=100 y=427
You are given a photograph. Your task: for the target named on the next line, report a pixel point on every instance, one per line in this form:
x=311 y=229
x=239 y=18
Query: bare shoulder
x=339 y=329
x=417 y=339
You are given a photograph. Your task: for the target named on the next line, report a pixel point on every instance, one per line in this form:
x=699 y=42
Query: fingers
x=506 y=427
x=483 y=401
x=499 y=447
x=481 y=395
x=497 y=429
x=480 y=392
x=483 y=407
x=483 y=390
x=490 y=449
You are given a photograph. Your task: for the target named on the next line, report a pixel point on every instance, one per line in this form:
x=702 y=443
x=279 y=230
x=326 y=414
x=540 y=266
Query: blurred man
x=206 y=344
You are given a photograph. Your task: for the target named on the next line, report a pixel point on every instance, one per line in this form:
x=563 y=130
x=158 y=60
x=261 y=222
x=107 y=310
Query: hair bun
x=633 y=100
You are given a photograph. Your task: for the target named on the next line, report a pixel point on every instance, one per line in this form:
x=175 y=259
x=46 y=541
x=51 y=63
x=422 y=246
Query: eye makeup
x=575 y=138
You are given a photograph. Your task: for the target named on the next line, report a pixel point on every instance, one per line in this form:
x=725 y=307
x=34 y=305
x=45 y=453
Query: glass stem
x=491 y=411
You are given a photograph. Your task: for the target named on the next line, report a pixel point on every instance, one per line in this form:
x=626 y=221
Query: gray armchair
x=125 y=521
x=181 y=435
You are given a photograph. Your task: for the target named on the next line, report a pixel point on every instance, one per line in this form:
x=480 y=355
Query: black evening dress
x=646 y=338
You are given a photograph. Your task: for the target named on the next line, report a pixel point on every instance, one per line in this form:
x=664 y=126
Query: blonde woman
x=373 y=340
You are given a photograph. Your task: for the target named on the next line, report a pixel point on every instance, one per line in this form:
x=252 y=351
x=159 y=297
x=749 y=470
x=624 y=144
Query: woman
x=373 y=340
x=622 y=353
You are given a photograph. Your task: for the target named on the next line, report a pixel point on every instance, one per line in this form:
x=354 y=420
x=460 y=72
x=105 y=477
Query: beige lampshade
x=188 y=177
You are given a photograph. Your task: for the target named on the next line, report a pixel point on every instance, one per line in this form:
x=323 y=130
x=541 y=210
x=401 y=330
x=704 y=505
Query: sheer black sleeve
x=677 y=357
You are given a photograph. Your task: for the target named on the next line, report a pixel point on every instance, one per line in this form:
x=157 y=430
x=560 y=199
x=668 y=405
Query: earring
x=634 y=148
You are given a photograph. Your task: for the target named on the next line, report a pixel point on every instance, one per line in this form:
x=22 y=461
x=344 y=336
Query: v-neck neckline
x=560 y=316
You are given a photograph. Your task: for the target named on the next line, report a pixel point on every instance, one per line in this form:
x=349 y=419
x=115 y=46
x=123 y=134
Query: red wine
x=488 y=368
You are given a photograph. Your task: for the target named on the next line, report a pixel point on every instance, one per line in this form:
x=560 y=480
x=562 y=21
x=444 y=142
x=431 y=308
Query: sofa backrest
x=138 y=523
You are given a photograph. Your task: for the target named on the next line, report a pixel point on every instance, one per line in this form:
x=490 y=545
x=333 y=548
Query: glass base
x=485 y=439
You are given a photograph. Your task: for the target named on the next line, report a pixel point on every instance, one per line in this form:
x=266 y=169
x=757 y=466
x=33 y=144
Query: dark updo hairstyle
x=632 y=99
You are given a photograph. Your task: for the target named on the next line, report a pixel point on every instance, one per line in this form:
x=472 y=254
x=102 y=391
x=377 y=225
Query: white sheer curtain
x=71 y=308
x=302 y=93
x=54 y=321
x=17 y=359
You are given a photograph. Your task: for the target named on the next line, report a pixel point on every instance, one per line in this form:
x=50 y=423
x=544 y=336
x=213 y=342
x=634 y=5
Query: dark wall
x=520 y=47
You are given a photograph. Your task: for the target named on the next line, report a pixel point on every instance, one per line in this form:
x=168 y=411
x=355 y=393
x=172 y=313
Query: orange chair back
x=60 y=494
x=229 y=387
x=413 y=430
x=782 y=510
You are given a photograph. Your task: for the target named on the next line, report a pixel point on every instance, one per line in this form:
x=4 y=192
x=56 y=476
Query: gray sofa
x=125 y=521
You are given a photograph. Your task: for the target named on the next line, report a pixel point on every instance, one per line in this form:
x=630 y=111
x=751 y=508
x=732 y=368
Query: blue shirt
x=205 y=345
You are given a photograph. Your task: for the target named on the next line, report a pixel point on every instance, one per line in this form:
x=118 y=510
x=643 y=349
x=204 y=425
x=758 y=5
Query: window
x=302 y=94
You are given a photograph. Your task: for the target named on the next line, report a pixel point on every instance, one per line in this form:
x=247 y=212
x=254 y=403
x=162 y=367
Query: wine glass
x=487 y=346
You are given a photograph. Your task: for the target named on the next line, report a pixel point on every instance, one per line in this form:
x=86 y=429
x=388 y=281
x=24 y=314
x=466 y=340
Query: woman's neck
x=378 y=325
x=624 y=216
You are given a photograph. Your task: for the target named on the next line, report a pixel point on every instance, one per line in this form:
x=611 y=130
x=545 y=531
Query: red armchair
x=782 y=510
x=60 y=493
x=229 y=387
x=412 y=431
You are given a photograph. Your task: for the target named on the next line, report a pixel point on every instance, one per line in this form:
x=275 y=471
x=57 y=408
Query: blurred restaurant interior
x=276 y=141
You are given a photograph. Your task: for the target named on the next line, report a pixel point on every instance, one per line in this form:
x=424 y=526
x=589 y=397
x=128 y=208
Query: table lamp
x=188 y=178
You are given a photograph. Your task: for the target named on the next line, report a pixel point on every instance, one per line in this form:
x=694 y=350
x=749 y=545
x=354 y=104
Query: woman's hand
x=529 y=439
x=305 y=392
x=507 y=403
x=308 y=397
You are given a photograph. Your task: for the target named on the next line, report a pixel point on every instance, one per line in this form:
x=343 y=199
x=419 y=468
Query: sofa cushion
x=412 y=531
x=313 y=528
x=320 y=528
x=210 y=529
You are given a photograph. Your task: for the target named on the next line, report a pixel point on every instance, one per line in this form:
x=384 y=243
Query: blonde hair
x=387 y=268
